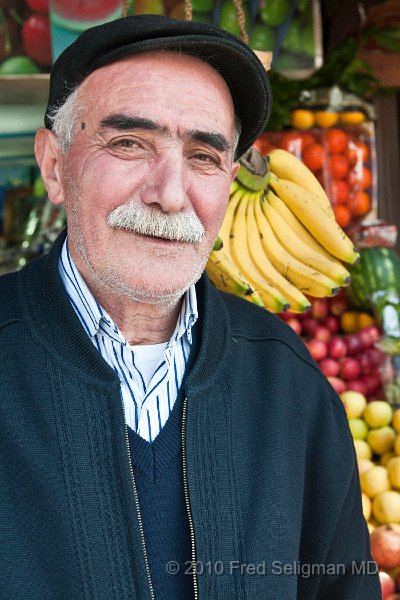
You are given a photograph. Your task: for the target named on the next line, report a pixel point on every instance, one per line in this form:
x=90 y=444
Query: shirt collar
x=94 y=318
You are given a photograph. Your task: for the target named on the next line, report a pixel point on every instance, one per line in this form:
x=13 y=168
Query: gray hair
x=64 y=120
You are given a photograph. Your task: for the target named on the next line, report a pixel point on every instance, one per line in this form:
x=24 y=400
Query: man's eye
x=206 y=158
x=125 y=143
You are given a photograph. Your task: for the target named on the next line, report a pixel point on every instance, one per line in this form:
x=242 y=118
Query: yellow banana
x=295 y=246
x=325 y=230
x=225 y=275
x=307 y=280
x=296 y=226
x=224 y=236
x=271 y=297
x=298 y=302
x=286 y=166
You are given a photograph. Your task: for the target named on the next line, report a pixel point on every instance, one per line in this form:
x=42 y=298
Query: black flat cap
x=232 y=58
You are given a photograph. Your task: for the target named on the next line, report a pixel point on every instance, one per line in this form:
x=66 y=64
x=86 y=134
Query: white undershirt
x=148 y=357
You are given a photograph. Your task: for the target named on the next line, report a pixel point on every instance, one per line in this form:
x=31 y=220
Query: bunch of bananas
x=280 y=243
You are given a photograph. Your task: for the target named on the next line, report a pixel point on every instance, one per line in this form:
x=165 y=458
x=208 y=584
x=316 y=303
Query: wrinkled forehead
x=165 y=72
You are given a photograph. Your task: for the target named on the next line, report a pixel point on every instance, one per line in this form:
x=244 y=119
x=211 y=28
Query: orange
x=342 y=215
x=365 y=320
x=360 y=204
x=314 y=157
x=366 y=178
x=339 y=191
x=291 y=141
x=337 y=140
x=339 y=166
x=349 y=321
x=324 y=118
x=302 y=119
x=352 y=117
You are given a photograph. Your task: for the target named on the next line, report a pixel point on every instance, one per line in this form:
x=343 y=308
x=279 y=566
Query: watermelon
x=376 y=285
x=377 y=273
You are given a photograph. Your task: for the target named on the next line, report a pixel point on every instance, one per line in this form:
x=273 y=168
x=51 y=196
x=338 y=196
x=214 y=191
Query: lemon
x=359 y=429
x=324 y=118
x=354 y=403
x=366 y=506
x=381 y=440
x=375 y=481
x=386 y=507
x=393 y=469
x=362 y=449
x=378 y=413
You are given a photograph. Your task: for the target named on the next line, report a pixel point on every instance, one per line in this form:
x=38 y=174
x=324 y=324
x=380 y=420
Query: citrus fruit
x=342 y=215
x=364 y=464
x=324 y=118
x=339 y=191
x=360 y=204
x=352 y=117
x=302 y=119
x=336 y=140
x=228 y=18
x=365 y=320
x=378 y=413
x=349 y=321
x=375 y=481
x=314 y=157
x=386 y=507
x=339 y=166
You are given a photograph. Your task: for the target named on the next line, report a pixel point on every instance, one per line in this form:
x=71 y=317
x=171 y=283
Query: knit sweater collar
x=53 y=322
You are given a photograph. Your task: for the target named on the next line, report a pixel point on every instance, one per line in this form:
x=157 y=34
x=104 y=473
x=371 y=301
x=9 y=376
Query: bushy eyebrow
x=122 y=122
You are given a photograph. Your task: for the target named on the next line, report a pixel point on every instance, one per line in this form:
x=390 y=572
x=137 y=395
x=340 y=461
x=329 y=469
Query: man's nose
x=168 y=188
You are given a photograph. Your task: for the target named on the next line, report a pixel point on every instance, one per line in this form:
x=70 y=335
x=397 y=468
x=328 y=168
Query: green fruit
x=18 y=65
x=202 y=6
x=228 y=18
x=39 y=189
x=202 y=18
x=275 y=12
x=253 y=172
x=377 y=272
x=262 y=37
x=293 y=38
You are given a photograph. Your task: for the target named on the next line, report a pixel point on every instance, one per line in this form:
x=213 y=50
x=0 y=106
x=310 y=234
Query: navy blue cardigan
x=272 y=476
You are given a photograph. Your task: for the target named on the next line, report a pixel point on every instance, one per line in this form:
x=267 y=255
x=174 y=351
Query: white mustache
x=147 y=220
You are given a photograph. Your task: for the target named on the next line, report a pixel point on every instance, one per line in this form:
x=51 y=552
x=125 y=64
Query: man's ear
x=48 y=156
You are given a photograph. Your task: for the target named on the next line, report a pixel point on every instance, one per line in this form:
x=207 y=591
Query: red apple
x=338 y=305
x=353 y=344
x=336 y=347
x=387 y=584
x=365 y=337
x=320 y=309
x=332 y=323
x=372 y=382
x=329 y=367
x=365 y=363
x=375 y=356
x=374 y=333
x=385 y=547
x=322 y=334
x=349 y=369
x=338 y=384
x=357 y=386
x=309 y=326
x=295 y=325
x=317 y=349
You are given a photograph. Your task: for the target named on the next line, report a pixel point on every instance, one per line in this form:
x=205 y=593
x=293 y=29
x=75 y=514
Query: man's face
x=155 y=130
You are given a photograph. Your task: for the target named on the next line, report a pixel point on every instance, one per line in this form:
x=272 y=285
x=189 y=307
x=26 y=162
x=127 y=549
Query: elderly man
x=159 y=439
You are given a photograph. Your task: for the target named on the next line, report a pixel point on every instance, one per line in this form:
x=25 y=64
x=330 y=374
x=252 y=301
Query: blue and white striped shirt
x=147 y=407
